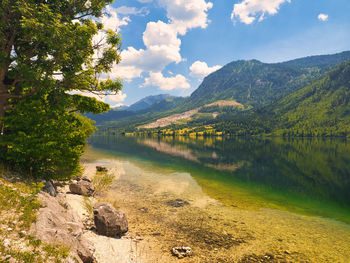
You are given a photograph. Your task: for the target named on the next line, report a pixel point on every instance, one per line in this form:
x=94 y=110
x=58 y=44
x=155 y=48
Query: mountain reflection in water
x=307 y=175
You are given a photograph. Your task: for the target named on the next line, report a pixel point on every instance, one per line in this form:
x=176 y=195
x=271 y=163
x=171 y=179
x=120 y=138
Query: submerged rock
x=101 y=169
x=181 y=252
x=177 y=203
x=82 y=187
x=109 y=221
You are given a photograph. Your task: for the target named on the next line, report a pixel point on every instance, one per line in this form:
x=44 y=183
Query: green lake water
x=295 y=179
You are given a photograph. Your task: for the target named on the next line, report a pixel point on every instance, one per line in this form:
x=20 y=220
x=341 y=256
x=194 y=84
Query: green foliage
x=47 y=55
x=44 y=139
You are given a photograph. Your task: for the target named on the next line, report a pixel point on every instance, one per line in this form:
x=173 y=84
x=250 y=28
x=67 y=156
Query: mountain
x=254 y=83
x=147 y=102
x=321 y=107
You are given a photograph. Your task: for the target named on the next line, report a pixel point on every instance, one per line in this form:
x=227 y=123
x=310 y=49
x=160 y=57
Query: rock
x=82 y=188
x=101 y=169
x=109 y=221
x=177 y=203
x=181 y=252
x=84 y=178
x=57 y=225
x=50 y=188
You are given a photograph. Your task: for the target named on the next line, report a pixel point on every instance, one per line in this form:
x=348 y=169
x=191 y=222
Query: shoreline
x=163 y=215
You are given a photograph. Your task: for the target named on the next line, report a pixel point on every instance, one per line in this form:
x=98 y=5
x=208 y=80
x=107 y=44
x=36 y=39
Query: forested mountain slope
x=254 y=83
x=322 y=106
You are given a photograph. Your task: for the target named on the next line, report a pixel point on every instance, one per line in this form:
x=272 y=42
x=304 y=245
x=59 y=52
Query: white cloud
x=164 y=83
x=323 y=17
x=249 y=10
x=126 y=10
x=200 y=69
x=163 y=45
x=187 y=14
x=112 y=20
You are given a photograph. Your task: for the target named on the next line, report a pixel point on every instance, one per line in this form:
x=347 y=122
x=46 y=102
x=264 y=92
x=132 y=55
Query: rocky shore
x=66 y=222
x=71 y=215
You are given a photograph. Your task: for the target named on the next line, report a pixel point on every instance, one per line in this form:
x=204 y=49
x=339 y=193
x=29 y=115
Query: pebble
x=7 y=257
x=9 y=229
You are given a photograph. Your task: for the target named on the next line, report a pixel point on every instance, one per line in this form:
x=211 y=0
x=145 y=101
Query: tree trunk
x=3 y=104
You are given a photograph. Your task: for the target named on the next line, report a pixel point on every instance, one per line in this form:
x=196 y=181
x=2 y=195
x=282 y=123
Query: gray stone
x=82 y=188
x=50 y=188
x=109 y=221
x=181 y=252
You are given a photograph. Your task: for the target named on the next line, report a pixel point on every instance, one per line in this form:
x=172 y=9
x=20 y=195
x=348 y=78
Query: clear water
x=291 y=196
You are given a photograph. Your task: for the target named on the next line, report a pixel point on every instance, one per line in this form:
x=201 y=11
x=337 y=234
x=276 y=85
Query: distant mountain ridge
x=147 y=102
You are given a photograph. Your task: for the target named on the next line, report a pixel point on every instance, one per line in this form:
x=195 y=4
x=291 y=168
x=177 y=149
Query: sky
x=169 y=46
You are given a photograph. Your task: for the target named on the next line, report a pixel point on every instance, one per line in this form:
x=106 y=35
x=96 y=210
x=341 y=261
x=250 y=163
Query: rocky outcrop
x=82 y=187
x=57 y=223
x=109 y=221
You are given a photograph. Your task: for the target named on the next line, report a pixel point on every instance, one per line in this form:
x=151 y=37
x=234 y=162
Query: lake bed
x=230 y=200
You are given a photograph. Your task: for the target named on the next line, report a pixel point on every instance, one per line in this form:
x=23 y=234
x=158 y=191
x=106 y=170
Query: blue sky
x=170 y=45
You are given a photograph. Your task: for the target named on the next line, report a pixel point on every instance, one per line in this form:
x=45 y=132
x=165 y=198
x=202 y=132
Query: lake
x=232 y=199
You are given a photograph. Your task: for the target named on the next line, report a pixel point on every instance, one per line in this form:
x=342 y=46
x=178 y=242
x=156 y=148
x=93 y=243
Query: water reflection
x=310 y=174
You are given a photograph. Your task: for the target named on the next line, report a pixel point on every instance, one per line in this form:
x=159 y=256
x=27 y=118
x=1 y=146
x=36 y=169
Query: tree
x=48 y=44
x=48 y=49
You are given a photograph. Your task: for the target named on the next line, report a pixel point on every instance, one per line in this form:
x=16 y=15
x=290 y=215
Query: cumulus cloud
x=127 y=10
x=163 y=44
x=164 y=83
x=200 y=69
x=187 y=14
x=323 y=17
x=112 y=20
x=249 y=10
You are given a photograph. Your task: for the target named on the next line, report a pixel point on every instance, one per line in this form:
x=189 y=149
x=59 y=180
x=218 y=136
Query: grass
x=89 y=206
x=102 y=181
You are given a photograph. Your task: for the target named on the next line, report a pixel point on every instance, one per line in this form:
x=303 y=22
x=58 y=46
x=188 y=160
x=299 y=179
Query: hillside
x=320 y=107
x=254 y=83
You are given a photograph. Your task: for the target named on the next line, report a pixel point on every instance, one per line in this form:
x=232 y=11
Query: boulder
x=50 y=188
x=82 y=187
x=56 y=224
x=84 y=178
x=109 y=221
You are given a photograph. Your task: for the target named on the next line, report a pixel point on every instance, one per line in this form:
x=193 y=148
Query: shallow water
x=239 y=200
